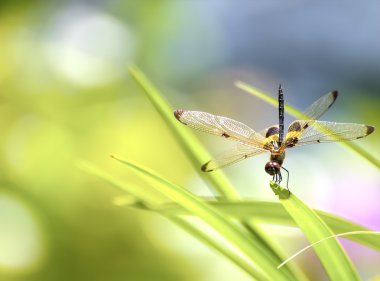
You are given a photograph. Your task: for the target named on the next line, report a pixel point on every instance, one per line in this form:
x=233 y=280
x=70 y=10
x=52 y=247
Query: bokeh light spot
x=88 y=47
x=21 y=243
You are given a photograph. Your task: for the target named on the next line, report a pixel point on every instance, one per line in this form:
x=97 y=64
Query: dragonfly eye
x=272 y=168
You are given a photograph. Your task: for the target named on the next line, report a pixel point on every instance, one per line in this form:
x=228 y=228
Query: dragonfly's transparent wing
x=320 y=106
x=220 y=126
x=301 y=132
x=238 y=153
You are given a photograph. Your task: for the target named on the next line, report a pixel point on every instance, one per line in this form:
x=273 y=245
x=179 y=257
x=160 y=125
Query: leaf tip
x=280 y=265
x=237 y=83
x=282 y=193
x=115 y=158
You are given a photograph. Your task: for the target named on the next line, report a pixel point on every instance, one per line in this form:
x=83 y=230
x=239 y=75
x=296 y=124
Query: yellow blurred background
x=65 y=95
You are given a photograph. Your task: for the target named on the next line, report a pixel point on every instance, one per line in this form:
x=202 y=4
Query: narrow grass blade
x=269 y=99
x=247 y=250
x=274 y=213
x=299 y=115
x=365 y=233
x=211 y=242
x=141 y=194
x=331 y=254
x=146 y=201
x=195 y=151
x=258 y=233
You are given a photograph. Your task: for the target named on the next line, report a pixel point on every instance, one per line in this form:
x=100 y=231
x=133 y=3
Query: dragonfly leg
x=287 y=178
x=277 y=178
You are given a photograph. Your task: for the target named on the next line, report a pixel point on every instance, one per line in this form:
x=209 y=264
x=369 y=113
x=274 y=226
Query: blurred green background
x=65 y=95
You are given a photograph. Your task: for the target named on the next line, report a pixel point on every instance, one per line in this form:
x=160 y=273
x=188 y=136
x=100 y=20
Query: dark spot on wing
x=295 y=127
x=291 y=142
x=370 y=129
x=178 y=113
x=226 y=135
x=335 y=95
x=318 y=141
x=272 y=131
x=306 y=125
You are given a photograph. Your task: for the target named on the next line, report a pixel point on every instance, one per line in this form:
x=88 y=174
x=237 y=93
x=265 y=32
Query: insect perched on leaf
x=272 y=139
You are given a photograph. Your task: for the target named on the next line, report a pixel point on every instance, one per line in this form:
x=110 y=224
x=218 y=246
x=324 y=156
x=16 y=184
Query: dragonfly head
x=272 y=168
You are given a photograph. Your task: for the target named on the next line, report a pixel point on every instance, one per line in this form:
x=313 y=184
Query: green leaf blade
x=194 y=150
x=147 y=201
x=248 y=249
x=269 y=99
x=274 y=213
x=356 y=233
x=330 y=253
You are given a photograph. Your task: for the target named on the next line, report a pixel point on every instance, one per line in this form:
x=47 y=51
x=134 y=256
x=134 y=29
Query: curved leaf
x=337 y=264
x=361 y=233
x=194 y=150
x=274 y=213
x=249 y=251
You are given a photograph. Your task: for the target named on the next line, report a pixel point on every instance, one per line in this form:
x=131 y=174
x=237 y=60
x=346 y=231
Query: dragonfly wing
x=238 y=153
x=271 y=135
x=320 y=106
x=303 y=132
x=270 y=131
x=220 y=126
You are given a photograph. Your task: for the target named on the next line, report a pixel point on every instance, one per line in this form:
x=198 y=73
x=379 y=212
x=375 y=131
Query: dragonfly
x=273 y=139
